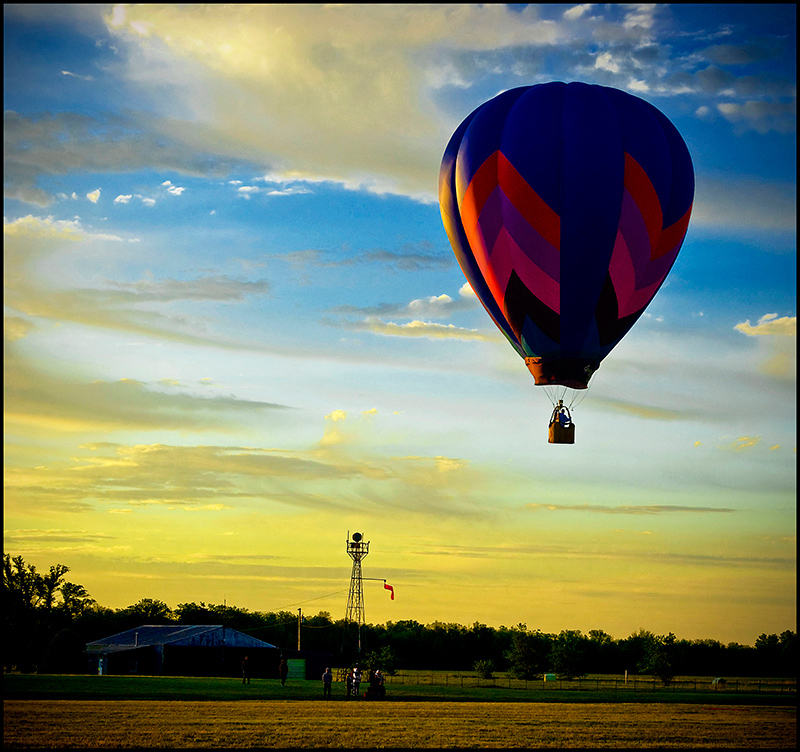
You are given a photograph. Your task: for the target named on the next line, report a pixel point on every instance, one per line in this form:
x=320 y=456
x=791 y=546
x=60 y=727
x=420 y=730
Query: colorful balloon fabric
x=566 y=206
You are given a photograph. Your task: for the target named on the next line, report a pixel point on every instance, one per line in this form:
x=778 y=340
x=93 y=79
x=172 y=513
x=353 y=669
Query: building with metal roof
x=182 y=650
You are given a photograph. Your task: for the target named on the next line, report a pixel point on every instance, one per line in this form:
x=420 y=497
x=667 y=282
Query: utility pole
x=299 y=621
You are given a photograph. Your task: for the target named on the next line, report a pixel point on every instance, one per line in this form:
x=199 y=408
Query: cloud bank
x=367 y=96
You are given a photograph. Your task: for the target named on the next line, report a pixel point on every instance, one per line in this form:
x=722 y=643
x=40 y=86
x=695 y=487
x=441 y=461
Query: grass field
x=411 y=686
x=147 y=712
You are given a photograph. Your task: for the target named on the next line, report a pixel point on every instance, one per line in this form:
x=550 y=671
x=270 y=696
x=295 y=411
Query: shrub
x=484 y=669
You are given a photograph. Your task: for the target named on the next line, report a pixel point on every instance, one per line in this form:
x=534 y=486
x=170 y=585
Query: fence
x=604 y=684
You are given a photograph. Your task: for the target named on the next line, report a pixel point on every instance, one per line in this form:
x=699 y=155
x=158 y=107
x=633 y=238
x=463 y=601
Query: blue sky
x=235 y=329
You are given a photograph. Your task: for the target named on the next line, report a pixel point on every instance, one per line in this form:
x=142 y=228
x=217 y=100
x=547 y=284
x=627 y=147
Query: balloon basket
x=561 y=434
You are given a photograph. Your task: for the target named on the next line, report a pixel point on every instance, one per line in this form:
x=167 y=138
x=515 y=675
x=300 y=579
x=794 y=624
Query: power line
x=316 y=598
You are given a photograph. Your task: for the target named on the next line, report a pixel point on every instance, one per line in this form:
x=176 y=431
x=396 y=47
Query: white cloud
x=761 y=116
x=94 y=196
x=426 y=329
x=577 y=11
x=777 y=345
x=604 y=61
x=126 y=199
x=30 y=226
x=641 y=16
x=770 y=325
x=77 y=75
x=375 y=127
x=292 y=191
x=175 y=190
x=432 y=306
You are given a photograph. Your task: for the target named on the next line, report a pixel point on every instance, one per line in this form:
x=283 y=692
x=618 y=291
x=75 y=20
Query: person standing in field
x=376 y=690
x=246 y=670
x=283 y=671
x=356 y=680
x=327 y=681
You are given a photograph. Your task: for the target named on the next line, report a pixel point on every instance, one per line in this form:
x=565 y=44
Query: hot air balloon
x=566 y=206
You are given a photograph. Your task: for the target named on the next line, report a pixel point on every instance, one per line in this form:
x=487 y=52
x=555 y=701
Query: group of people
x=376 y=689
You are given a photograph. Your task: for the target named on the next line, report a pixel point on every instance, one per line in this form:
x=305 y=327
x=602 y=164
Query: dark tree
x=37 y=608
x=776 y=655
x=529 y=654
x=634 y=649
x=569 y=654
x=662 y=658
x=75 y=600
x=150 y=611
x=383 y=659
x=602 y=653
x=195 y=613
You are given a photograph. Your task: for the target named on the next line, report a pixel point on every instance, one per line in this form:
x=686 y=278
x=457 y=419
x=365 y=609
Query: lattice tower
x=357 y=549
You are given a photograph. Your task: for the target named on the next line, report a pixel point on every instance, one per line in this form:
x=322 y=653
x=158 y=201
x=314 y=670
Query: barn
x=197 y=650
x=182 y=650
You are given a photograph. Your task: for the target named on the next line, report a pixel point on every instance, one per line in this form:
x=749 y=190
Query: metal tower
x=357 y=549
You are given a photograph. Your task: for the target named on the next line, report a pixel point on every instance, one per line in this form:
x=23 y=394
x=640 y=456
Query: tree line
x=47 y=621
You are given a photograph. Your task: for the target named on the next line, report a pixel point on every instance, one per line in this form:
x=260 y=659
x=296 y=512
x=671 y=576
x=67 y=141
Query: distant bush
x=382 y=659
x=484 y=669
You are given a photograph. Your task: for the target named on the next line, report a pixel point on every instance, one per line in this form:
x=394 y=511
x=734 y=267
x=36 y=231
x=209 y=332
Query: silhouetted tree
x=383 y=659
x=788 y=643
x=37 y=614
x=707 y=658
x=662 y=658
x=569 y=654
x=634 y=649
x=776 y=655
x=408 y=639
x=150 y=611
x=602 y=653
x=76 y=599
x=195 y=613
x=529 y=654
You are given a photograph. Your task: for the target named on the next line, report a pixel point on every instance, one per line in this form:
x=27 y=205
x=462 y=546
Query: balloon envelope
x=566 y=206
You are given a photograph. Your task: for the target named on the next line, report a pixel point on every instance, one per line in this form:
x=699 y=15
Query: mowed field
x=98 y=713
x=304 y=724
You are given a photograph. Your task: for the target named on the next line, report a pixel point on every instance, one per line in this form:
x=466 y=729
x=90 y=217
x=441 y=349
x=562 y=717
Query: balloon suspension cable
x=579 y=396
x=557 y=393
